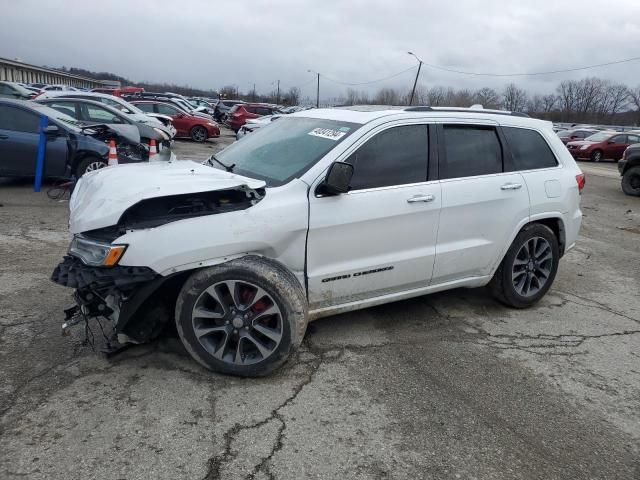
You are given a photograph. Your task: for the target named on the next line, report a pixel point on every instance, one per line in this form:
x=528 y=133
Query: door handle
x=421 y=198
x=511 y=186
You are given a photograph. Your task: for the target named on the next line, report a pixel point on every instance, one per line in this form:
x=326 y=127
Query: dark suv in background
x=629 y=167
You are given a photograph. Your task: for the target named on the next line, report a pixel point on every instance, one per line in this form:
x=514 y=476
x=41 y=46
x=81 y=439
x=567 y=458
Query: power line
x=567 y=70
x=369 y=82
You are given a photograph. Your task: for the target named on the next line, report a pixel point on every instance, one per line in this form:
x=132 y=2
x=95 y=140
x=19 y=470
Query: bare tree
x=487 y=97
x=387 y=96
x=514 y=98
x=292 y=97
x=436 y=96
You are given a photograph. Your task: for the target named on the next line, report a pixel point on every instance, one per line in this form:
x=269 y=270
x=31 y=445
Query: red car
x=197 y=128
x=576 y=134
x=602 y=146
x=240 y=113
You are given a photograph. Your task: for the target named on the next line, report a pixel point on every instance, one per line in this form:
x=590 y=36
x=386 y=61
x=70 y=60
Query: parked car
x=239 y=114
x=14 y=90
x=88 y=112
x=137 y=115
x=222 y=109
x=322 y=212
x=576 y=134
x=173 y=99
x=602 y=146
x=197 y=128
x=118 y=91
x=59 y=88
x=204 y=104
x=70 y=149
x=255 y=123
x=629 y=168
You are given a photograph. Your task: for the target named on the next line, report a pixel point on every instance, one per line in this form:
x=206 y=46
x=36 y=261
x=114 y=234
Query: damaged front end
x=136 y=301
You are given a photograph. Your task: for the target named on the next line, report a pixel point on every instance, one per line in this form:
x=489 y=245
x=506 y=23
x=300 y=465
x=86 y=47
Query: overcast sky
x=209 y=44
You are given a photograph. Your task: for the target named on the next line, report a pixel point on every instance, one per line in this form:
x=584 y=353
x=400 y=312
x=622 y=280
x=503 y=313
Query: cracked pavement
x=451 y=385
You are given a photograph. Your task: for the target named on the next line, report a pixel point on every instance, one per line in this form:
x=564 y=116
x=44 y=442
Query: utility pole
x=278 y=94
x=317 y=89
x=253 y=97
x=415 y=83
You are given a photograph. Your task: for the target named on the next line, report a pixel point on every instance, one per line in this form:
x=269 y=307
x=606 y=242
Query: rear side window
x=470 y=150
x=529 y=150
x=18 y=120
x=633 y=139
x=397 y=156
x=145 y=107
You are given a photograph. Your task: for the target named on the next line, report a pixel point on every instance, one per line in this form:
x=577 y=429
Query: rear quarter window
x=529 y=150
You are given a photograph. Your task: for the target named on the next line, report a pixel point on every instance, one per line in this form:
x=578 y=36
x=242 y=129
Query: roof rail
x=461 y=109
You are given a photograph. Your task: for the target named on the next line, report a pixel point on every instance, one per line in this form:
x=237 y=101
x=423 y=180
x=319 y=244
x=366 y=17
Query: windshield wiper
x=228 y=168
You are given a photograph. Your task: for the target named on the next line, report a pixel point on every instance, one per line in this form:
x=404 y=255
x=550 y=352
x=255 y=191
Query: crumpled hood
x=101 y=197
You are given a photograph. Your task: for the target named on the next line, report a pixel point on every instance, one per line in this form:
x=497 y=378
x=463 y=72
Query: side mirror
x=51 y=130
x=338 y=179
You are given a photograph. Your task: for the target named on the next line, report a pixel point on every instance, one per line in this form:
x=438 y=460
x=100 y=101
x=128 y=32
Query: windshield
x=283 y=150
x=598 y=137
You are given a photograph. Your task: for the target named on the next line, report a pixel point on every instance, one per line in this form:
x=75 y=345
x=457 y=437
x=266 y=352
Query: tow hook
x=71 y=317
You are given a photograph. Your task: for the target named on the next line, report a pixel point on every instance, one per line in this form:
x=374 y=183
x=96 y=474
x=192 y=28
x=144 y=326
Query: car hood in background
x=101 y=197
x=579 y=143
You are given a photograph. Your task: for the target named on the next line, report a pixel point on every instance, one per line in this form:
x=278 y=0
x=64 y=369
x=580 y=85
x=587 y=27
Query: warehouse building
x=16 y=71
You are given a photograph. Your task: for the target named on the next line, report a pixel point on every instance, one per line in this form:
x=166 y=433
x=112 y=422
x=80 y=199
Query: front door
x=19 y=138
x=380 y=237
x=615 y=147
x=481 y=203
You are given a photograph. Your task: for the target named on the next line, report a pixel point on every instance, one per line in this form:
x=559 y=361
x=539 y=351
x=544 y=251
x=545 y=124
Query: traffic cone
x=153 y=152
x=113 y=154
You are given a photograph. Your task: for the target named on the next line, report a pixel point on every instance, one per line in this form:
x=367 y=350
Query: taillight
x=580 y=180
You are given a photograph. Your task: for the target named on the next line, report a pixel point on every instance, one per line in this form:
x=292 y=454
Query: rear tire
x=89 y=164
x=199 y=134
x=631 y=182
x=244 y=317
x=528 y=269
x=596 y=155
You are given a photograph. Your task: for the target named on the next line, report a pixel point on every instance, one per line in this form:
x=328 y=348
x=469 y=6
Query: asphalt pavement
x=451 y=385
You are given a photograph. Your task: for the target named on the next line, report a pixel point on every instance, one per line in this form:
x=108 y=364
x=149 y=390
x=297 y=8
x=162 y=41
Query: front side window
x=528 y=149
x=619 y=139
x=18 y=120
x=397 y=156
x=470 y=150
x=284 y=150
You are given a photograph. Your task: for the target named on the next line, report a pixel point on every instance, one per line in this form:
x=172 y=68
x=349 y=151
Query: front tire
x=631 y=182
x=89 y=164
x=529 y=267
x=199 y=134
x=596 y=156
x=244 y=317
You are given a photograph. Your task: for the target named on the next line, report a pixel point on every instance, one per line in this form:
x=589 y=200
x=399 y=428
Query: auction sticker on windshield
x=327 y=133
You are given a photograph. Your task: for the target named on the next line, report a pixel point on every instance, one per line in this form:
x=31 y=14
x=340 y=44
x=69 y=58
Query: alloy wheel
x=237 y=322
x=95 y=166
x=199 y=134
x=532 y=266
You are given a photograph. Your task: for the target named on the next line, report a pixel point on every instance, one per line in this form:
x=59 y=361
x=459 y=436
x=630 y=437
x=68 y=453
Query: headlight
x=164 y=135
x=96 y=254
x=211 y=124
x=584 y=147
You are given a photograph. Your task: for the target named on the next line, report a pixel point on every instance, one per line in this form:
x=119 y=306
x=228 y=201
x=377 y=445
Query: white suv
x=321 y=212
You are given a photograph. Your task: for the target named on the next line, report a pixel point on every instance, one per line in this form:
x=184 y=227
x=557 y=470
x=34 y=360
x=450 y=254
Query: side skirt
x=469 y=282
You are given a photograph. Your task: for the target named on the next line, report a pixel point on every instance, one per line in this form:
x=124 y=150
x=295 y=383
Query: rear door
x=380 y=237
x=481 y=202
x=19 y=138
